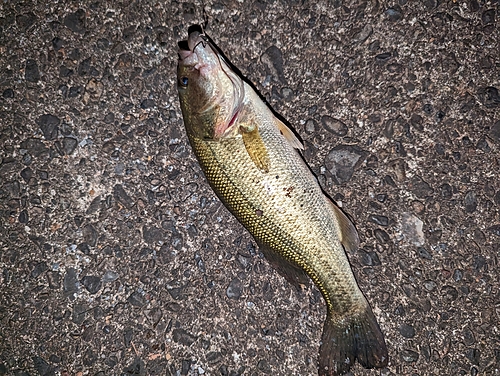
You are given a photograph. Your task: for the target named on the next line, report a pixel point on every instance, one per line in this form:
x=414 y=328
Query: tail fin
x=345 y=339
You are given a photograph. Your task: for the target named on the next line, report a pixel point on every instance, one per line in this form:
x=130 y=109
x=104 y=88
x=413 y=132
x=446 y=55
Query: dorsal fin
x=289 y=135
x=348 y=234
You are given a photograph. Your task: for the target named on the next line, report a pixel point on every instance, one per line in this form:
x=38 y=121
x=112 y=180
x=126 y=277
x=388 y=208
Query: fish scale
x=249 y=158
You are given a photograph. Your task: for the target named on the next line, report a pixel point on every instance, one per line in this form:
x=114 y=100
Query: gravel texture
x=117 y=259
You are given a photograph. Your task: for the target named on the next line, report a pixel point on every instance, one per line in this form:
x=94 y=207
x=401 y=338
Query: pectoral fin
x=289 y=135
x=348 y=233
x=255 y=147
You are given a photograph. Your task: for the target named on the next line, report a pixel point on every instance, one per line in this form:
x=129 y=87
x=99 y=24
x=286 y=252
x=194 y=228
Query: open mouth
x=195 y=37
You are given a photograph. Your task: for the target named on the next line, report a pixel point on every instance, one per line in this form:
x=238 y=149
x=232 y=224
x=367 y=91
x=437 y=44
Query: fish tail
x=347 y=338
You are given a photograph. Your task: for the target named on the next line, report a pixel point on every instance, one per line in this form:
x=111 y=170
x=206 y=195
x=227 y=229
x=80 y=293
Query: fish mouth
x=198 y=52
x=195 y=37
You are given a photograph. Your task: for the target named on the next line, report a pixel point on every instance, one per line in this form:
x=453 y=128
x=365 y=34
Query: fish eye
x=183 y=81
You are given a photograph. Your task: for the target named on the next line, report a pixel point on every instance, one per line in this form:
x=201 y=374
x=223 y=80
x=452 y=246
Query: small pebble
x=342 y=160
x=235 y=289
x=409 y=356
x=334 y=126
x=380 y=220
x=92 y=283
x=394 y=14
x=407 y=330
x=430 y=285
x=310 y=126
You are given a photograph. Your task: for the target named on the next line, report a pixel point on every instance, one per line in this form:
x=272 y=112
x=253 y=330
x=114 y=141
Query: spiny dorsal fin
x=348 y=233
x=255 y=147
x=289 y=135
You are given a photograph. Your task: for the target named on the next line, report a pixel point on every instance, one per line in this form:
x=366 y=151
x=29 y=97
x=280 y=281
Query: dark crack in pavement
x=116 y=258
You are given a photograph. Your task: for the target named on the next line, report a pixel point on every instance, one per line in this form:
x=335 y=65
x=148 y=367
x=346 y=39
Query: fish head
x=210 y=92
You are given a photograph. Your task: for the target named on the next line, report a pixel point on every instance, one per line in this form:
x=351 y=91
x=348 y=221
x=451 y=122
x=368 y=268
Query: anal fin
x=256 y=148
x=293 y=274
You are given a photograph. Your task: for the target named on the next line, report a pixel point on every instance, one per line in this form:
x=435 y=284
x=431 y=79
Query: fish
x=252 y=161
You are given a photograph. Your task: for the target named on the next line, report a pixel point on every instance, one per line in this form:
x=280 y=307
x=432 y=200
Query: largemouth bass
x=251 y=161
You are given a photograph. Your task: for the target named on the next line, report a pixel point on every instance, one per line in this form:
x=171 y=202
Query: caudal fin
x=345 y=339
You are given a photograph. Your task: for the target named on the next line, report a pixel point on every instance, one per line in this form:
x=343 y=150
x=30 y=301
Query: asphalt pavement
x=116 y=257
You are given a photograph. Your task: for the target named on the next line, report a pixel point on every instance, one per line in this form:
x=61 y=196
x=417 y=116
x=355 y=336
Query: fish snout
x=187 y=47
x=195 y=36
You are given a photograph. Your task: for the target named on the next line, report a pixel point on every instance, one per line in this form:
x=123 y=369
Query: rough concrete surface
x=117 y=259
